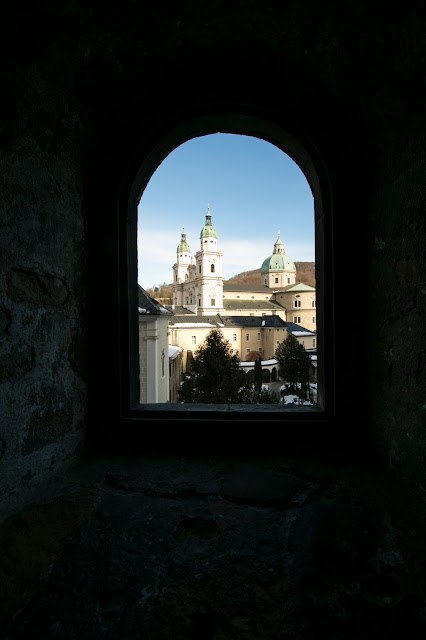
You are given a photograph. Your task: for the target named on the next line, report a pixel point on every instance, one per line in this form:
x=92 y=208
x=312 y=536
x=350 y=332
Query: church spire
x=183 y=245
x=208 y=215
x=208 y=230
x=279 y=245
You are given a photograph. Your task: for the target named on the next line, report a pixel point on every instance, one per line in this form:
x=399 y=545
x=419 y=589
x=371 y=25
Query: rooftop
x=192 y=320
x=148 y=305
x=254 y=321
x=269 y=305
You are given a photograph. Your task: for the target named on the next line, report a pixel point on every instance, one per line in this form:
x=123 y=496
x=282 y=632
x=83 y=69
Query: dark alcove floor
x=180 y=548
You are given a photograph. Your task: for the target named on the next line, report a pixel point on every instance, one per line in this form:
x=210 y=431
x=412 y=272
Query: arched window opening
x=282 y=142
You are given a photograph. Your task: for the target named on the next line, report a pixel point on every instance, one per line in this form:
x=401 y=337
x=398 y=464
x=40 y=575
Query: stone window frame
x=292 y=141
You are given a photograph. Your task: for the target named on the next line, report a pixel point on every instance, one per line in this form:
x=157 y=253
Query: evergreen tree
x=293 y=362
x=215 y=373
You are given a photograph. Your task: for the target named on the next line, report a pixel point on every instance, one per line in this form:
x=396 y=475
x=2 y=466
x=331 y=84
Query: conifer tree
x=293 y=362
x=215 y=373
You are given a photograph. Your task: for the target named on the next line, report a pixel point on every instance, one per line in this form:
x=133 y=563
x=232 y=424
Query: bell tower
x=208 y=271
x=182 y=271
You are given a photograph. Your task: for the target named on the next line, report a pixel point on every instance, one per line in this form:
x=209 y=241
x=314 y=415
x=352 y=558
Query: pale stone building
x=153 y=349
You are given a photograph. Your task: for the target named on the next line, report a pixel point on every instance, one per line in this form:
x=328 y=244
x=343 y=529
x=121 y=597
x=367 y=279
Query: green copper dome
x=183 y=245
x=208 y=231
x=277 y=262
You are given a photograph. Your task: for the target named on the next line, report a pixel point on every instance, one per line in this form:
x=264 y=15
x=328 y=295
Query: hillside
x=305 y=273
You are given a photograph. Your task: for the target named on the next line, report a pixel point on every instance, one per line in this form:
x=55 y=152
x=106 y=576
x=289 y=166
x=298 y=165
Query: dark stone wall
x=88 y=89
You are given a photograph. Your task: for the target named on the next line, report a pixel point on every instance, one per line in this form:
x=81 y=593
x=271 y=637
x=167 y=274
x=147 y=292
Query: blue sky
x=254 y=190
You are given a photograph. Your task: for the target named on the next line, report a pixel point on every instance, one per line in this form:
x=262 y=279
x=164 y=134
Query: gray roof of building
x=292 y=328
x=246 y=287
x=191 y=319
x=148 y=305
x=270 y=305
x=254 y=321
x=262 y=288
x=180 y=311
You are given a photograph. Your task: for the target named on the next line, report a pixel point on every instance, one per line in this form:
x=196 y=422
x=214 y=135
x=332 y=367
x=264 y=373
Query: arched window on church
x=212 y=268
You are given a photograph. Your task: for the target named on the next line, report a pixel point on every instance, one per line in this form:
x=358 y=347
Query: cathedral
x=254 y=318
x=198 y=285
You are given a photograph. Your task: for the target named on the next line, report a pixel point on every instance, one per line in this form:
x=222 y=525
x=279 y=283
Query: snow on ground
x=291 y=399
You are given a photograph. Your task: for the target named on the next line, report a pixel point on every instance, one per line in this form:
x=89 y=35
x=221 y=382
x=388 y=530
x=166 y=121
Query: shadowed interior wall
x=88 y=89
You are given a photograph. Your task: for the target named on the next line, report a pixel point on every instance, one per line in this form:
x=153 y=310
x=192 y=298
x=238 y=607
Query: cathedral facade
x=198 y=280
x=198 y=285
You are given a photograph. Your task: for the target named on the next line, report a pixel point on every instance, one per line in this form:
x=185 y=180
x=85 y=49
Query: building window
x=234 y=337
x=258 y=336
x=199 y=269
x=194 y=339
x=247 y=350
x=260 y=350
x=296 y=319
x=288 y=280
x=314 y=320
x=213 y=302
x=314 y=303
x=297 y=303
x=276 y=280
x=314 y=343
x=212 y=268
x=247 y=337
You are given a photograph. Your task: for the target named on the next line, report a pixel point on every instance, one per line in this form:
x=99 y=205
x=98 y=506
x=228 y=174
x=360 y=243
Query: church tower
x=182 y=273
x=208 y=271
